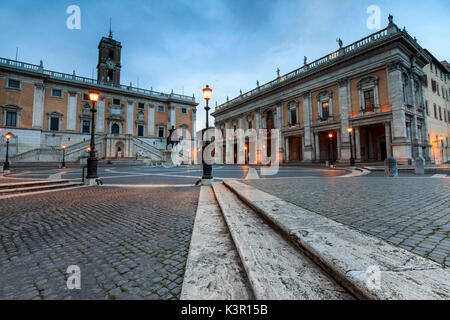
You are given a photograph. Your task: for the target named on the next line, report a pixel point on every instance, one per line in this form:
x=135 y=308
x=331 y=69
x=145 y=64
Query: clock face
x=110 y=64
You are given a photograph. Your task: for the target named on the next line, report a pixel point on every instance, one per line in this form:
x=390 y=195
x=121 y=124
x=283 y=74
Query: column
x=286 y=153
x=387 y=128
x=151 y=120
x=194 y=122
x=338 y=141
x=100 y=123
x=307 y=116
x=258 y=120
x=38 y=106
x=279 y=126
x=317 y=146
x=71 y=124
x=130 y=117
x=173 y=121
x=400 y=149
x=344 y=109
x=357 y=144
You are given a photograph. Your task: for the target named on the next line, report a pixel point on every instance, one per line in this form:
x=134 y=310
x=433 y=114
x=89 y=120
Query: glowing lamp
x=94 y=96
x=207 y=93
x=8 y=136
x=64 y=147
x=350 y=130
x=330 y=136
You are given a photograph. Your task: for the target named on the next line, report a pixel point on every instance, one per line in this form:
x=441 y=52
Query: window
x=435 y=111
x=161 y=108
x=161 y=132
x=140 y=131
x=325 y=110
x=369 y=100
x=250 y=124
x=293 y=116
x=445 y=116
x=11 y=119
x=431 y=67
x=110 y=75
x=15 y=84
x=57 y=93
x=86 y=126
x=141 y=105
x=426 y=108
x=111 y=54
x=54 y=124
x=116 y=102
x=433 y=85
x=86 y=97
x=183 y=110
x=440 y=113
x=437 y=89
x=115 y=129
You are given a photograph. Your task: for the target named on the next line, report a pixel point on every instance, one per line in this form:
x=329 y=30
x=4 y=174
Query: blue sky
x=185 y=44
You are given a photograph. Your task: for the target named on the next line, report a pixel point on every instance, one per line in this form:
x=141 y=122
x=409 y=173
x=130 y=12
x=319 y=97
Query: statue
x=278 y=72
x=391 y=19
x=257 y=83
x=241 y=92
x=170 y=141
x=305 y=61
x=339 y=41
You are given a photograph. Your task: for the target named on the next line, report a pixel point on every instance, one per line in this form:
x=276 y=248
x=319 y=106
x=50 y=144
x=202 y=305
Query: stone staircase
x=247 y=244
x=8 y=189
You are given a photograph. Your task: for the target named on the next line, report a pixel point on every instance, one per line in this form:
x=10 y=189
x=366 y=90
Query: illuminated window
x=325 y=110
x=369 y=100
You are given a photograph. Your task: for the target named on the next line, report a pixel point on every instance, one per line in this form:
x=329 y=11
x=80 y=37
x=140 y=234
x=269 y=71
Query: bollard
x=420 y=165
x=390 y=167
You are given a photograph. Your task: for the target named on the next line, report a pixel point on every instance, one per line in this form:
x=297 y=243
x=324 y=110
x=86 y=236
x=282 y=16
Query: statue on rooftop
x=339 y=41
x=305 y=61
x=391 y=19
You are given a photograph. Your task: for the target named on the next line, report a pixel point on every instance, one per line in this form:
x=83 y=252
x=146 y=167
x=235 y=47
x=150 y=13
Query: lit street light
x=8 y=137
x=207 y=168
x=330 y=135
x=441 y=139
x=352 y=159
x=63 y=164
x=92 y=160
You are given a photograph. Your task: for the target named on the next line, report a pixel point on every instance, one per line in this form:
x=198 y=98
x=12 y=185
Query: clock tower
x=108 y=68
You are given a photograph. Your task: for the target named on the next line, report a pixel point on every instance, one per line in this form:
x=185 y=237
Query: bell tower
x=109 y=53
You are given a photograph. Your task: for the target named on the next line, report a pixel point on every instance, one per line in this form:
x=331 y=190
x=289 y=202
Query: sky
x=182 y=45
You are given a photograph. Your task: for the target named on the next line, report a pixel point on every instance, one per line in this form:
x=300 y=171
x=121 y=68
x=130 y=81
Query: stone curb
x=354 y=259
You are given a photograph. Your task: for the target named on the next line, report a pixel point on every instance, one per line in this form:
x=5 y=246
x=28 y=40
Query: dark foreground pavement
x=130 y=243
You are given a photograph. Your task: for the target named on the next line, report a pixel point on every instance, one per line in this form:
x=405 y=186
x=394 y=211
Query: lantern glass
x=94 y=96
x=207 y=93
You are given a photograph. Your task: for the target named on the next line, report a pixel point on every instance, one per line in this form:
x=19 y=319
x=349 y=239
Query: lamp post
x=63 y=164
x=8 y=137
x=441 y=139
x=352 y=159
x=92 y=160
x=330 y=136
x=207 y=168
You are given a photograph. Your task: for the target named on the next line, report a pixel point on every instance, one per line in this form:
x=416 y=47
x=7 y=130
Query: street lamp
x=330 y=135
x=352 y=159
x=92 y=160
x=8 y=137
x=207 y=168
x=63 y=164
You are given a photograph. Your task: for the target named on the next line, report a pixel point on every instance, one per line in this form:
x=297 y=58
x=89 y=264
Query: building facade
x=437 y=104
x=45 y=109
x=375 y=86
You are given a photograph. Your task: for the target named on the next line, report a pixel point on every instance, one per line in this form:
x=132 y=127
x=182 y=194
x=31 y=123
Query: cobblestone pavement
x=130 y=243
x=412 y=213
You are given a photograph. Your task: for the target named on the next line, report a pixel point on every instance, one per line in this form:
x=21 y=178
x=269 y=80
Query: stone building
x=374 y=85
x=46 y=109
x=437 y=106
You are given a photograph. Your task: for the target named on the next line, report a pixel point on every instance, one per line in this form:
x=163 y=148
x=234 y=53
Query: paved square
x=412 y=213
x=130 y=243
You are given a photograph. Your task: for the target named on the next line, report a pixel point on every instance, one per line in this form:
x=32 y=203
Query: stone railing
x=82 y=80
x=329 y=59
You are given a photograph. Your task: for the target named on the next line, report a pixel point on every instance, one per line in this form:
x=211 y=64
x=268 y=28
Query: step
x=213 y=270
x=348 y=254
x=39 y=188
x=276 y=269
x=27 y=184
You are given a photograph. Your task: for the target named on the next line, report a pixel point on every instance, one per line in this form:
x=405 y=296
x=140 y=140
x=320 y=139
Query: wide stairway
x=247 y=245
